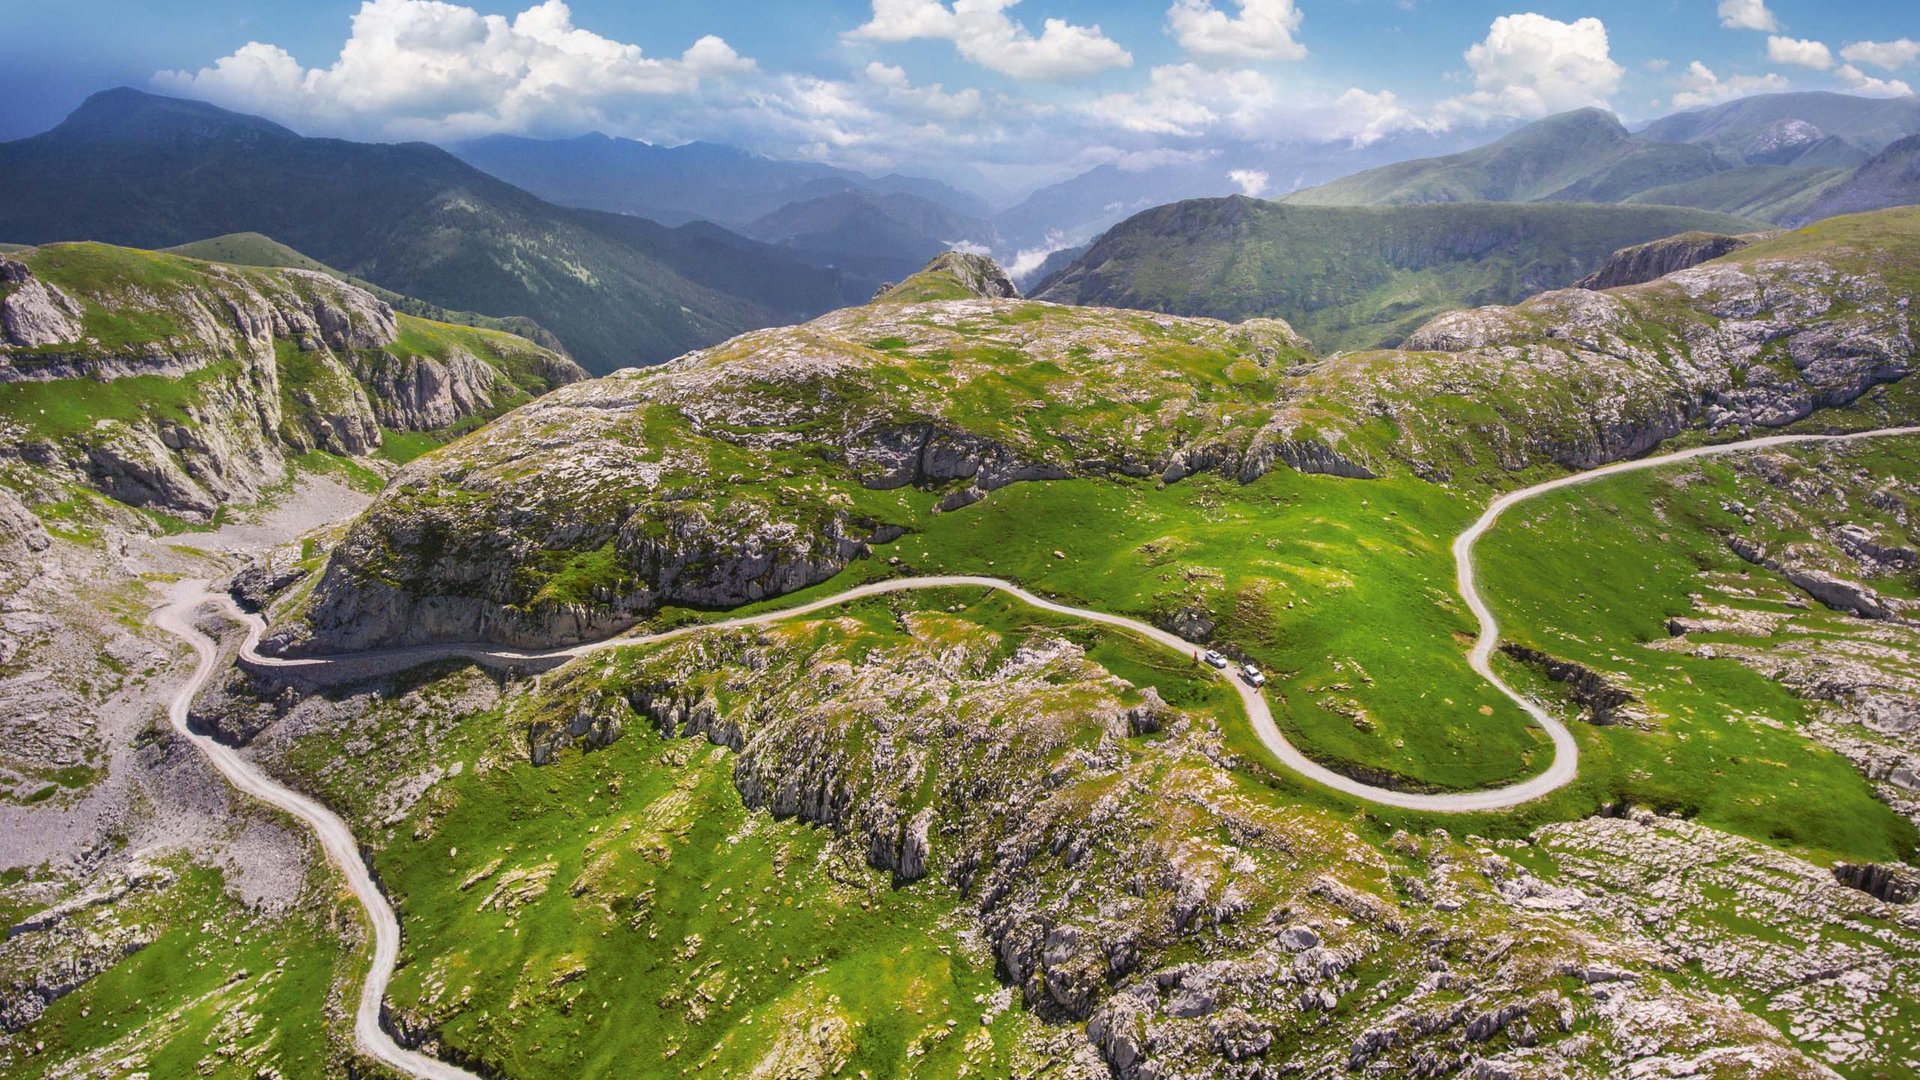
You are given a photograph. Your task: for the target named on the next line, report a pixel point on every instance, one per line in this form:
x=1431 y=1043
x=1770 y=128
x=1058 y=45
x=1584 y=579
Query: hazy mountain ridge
x=153 y=172
x=1767 y=157
x=678 y=184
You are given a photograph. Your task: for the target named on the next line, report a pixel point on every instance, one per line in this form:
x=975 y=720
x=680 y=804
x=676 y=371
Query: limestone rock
x=32 y=313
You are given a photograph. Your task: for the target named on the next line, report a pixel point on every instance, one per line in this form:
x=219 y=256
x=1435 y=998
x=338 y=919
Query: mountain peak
x=953 y=275
x=126 y=113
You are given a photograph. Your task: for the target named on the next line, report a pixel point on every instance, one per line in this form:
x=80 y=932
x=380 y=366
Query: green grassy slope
x=253 y=249
x=1760 y=192
x=1355 y=277
x=1595 y=574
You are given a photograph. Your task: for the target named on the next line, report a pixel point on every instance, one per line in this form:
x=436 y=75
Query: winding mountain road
x=177 y=618
x=190 y=597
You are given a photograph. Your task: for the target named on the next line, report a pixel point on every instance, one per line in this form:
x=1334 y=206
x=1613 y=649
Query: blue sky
x=1018 y=86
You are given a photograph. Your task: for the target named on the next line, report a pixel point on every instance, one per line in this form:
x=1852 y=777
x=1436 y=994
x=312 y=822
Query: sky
x=1014 y=90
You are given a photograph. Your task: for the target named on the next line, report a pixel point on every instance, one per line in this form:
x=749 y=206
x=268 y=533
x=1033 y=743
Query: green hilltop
x=1355 y=277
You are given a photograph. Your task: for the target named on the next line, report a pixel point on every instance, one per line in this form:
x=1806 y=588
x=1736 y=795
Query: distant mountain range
x=1772 y=158
x=1074 y=211
x=695 y=182
x=1890 y=178
x=1352 y=277
x=871 y=236
x=147 y=171
x=874 y=229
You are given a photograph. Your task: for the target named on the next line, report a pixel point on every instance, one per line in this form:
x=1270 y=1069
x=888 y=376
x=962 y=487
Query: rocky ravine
x=213 y=374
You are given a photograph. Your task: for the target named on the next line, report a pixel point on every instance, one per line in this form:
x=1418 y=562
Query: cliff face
x=181 y=386
x=1642 y=263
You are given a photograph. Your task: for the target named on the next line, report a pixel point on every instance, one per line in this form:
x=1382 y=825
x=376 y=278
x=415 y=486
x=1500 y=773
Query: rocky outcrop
x=596 y=723
x=422 y=394
x=1833 y=591
x=1648 y=262
x=1600 y=701
x=1894 y=884
x=748 y=471
x=32 y=314
x=976 y=275
x=1580 y=378
x=58 y=950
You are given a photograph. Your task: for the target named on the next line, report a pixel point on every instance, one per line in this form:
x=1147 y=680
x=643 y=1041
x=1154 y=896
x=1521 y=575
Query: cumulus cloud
x=1252 y=183
x=1530 y=65
x=1747 y=15
x=931 y=100
x=425 y=68
x=1263 y=30
x=1188 y=100
x=1183 y=101
x=1799 y=51
x=1890 y=55
x=1700 y=86
x=1365 y=118
x=1862 y=83
x=984 y=34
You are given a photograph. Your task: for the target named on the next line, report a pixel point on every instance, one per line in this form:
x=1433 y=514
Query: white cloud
x=1252 y=183
x=1862 y=83
x=1812 y=54
x=1747 y=15
x=1530 y=65
x=1188 y=100
x=426 y=68
x=985 y=35
x=1365 y=118
x=1698 y=86
x=932 y=100
x=1263 y=30
x=1883 y=54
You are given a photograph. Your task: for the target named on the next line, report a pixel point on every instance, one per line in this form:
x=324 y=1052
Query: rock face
x=1835 y=592
x=33 y=315
x=257 y=363
x=1651 y=261
x=1602 y=702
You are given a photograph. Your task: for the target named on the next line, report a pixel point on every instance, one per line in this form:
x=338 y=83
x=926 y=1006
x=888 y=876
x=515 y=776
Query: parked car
x=1215 y=659
x=1251 y=672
